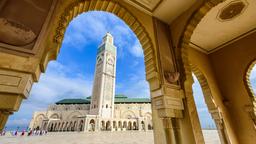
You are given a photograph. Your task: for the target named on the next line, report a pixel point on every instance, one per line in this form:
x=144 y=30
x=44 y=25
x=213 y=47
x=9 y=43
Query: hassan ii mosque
x=104 y=110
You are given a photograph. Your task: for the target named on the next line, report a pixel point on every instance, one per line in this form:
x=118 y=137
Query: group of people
x=29 y=132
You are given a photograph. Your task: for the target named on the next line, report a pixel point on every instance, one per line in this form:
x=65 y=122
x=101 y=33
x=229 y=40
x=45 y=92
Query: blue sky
x=71 y=76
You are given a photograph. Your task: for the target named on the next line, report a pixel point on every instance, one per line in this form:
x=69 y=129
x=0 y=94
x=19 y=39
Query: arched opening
x=124 y=125
x=114 y=125
x=138 y=54
x=150 y=127
x=119 y=125
x=143 y=125
x=250 y=82
x=92 y=125
x=202 y=105
x=129 y=125
x=81 y=125
x=108 y=126
x=103 y=125
x=70 y=126
x=51 y=127
x=134 y=126
x=55 y=126
x=74 y=126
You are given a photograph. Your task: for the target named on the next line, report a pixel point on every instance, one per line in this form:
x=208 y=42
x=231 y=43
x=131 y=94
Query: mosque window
x=107 y=106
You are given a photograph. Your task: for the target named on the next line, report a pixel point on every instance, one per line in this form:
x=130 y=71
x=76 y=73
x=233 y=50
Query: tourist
x=30 y=132
x=22 y=133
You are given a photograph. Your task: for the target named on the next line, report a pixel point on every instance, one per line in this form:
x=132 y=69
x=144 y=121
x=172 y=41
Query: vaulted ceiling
x=227 y=22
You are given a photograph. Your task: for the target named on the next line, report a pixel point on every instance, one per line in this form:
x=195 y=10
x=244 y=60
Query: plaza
x=126 y=137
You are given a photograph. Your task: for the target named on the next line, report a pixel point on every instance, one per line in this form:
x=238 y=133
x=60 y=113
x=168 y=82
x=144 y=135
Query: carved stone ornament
x=14 y=33
x=172 y=77
x=232 y=10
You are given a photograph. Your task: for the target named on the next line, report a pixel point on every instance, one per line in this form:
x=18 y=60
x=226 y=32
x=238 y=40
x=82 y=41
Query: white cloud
x=57 y=84
x=92 y=26
x=136 y=50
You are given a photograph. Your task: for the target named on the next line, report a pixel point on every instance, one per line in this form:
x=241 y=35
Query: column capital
x=168 y=101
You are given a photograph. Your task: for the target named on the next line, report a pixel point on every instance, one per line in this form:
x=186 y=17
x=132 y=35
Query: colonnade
x=64 y=126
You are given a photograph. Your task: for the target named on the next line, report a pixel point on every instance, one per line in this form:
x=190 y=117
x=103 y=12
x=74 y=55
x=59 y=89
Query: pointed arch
x=184 y=41
x=210 y=103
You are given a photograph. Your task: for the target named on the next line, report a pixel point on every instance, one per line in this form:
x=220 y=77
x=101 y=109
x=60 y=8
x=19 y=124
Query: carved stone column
x=170 y=117
x=14 y=87
x=168 y=102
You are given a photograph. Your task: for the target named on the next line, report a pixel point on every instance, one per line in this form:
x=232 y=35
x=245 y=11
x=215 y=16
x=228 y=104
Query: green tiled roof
x=120 y=96
x=118 y=99
x=74 y=101
x=132 y=100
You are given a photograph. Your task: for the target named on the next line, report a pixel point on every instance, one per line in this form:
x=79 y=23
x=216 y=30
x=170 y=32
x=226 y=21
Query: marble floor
x=128 y=137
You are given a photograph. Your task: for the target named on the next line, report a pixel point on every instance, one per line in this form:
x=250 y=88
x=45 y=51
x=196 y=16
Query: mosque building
x=104 y=110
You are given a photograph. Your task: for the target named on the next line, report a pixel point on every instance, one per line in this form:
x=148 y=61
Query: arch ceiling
x=224 y=24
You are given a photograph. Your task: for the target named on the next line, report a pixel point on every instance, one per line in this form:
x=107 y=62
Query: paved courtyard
x=127 y=137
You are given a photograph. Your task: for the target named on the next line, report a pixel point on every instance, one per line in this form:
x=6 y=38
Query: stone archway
x=103 y=125
x=81 y=125
x=141 y=28
x=39 y=121
x=114 y=127
x=134 y=126
x=119 y=125
x=129 y=127
x=92 y=125
x=143 y=125
x=125 y=125
x=77 y=7
x=211 y=106
x=108 y=125
x=192 y=23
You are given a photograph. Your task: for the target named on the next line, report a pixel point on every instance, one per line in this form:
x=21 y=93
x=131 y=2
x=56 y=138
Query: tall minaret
x=102 y=101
